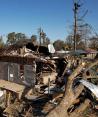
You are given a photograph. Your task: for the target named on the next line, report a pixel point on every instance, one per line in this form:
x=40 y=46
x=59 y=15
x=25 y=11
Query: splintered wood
x=13 y=87
x=61 y=109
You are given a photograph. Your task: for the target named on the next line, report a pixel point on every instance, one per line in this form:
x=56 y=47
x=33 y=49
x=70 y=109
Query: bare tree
x=59 y=45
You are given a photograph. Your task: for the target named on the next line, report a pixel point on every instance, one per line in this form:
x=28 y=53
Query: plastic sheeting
x=1 y=93
x=93 y=88
x=51 y=48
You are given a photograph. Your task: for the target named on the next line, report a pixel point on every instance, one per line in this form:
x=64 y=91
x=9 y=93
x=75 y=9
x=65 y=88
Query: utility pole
x=39 y=31
x=42 y=37
x=76 y=6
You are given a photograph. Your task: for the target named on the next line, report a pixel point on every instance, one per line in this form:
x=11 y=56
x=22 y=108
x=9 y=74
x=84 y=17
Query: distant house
x=78 y=53
x=91 y=53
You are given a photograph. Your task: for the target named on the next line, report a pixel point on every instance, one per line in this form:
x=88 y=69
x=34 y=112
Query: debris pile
x=39 y=82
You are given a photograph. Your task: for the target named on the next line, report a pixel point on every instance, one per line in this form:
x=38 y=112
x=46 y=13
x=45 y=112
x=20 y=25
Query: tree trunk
x=69 y=98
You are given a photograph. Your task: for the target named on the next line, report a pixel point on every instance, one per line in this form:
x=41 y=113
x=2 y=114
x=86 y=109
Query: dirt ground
x=89 y=112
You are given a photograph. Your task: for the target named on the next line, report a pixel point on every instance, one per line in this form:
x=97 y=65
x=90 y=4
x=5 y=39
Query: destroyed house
x=21 y=63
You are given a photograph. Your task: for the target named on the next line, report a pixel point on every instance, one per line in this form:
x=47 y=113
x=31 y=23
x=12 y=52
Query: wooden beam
x=13 y=87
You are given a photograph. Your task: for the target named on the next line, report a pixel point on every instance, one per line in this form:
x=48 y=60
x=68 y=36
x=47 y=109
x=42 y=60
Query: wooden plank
x=17 y=59
x=17 y=88
x=45 y=77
